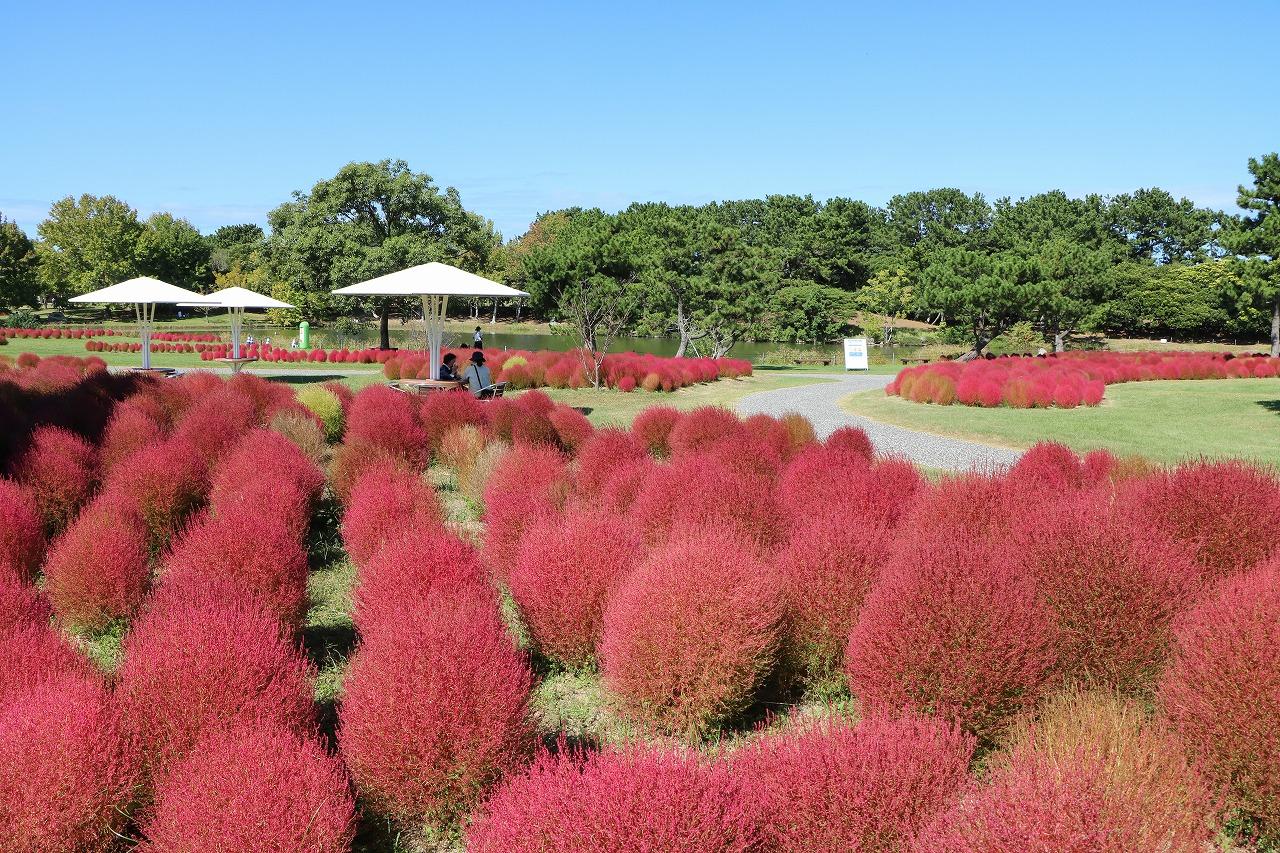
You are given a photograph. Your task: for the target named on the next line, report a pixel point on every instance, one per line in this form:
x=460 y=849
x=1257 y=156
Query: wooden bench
x=424 y=386
x=236 y=363
x=915 y=360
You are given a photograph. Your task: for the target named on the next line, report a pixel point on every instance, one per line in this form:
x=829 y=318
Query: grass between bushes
x=1164 y=421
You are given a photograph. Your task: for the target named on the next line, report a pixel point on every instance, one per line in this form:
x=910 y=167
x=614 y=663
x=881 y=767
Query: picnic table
x=236 y=363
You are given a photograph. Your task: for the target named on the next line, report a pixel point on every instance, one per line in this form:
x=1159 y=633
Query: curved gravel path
x=820 y=404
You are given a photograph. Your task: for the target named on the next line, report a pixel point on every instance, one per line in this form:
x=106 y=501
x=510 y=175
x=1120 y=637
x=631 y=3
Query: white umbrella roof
x=239 y=297
x=144 y=290
x=433 y=279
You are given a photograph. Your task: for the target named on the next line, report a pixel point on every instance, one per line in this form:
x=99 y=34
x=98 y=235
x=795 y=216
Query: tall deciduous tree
x=368 y=220
x=88 y=243
x=1256 y=238
x=172 y=250
x=19 y=284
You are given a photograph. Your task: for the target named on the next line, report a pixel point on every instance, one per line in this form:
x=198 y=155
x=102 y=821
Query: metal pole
x=237 y=317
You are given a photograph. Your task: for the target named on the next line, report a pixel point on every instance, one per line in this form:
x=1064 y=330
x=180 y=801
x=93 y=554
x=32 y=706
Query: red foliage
x=67 y=769
x=387 y=419
x=873 y=786
x=571 y=426
x=1048 y=466
x=410 y=564
x=637 y=798
x=951 y=628
x=97 y=571
x=204 y=656
x=131 y=428
x=528 y=483
x=60 y=469
x=270 y=472
x=966 y=505
x=600 y=457
x=1221 y=693
x=441 y=413
x=215 y=420
x=162 y=483
x=21 y=532
x=352 y=459
x=255 y=788
x=434 y=708
x=700 y=428
x=1113 y=589
x=384 y=501
x=693 y=491
x=852 y=439
x=31 y=654
x=825 y=480
x=1222 y=511
x=653 y=427
x=563 y=576
x=691 y=633
x=20 y=604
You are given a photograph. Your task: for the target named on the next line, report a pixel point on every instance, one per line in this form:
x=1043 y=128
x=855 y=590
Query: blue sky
x=218 y=111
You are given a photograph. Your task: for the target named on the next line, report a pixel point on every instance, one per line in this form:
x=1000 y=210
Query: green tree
x=809 y=313
x=88 y=243
x=1159 y=228
x=369 y=220
x=19 y=284
x=980 y=292
x=232 y=244
x=172 y=250
x=1173 y=300
x=1255 y=237
x=889 y=295
x=1074 y=282
x=940 y=218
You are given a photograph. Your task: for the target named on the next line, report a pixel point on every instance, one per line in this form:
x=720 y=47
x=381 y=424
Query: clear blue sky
x=218 y=111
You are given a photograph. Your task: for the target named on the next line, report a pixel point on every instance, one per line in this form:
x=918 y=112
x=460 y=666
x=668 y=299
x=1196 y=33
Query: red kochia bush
x=571 y=426
x=67 y=769
x=952 y=628
x=265 y=467
x=434 y=708
x=692 y=491
x=528 y=483
x=20 y=604
x=253 y=788
x=97 y=570
x=1048 y=466
x=1113 y=589
x=203 y=657
x=410 y=565
x=21 y=533
x=836 y=786
x=130 y=429
x=163 y=483
x=563 y=576
x=653 y=427
x=60 y=469
x=852 y=439
x=32 y=653
x=701 y=428
x=385 y=500
x=441 y=413
x=637 y=798
x=691 y=633
x=388 y=419
x=1221 y=693
x=600 y=457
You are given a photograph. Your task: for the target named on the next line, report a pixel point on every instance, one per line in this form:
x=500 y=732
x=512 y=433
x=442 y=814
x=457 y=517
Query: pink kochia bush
x=206 y=657
x=388 y=420
x=97 y=571
x=837 y=786
x=653 y=427
x=269 y=471
x=529 y=482
x=21 y=532
x=634 y=798
x=386 y=500
x=67 y=769
x=60 y=469
x=20 y=604
x=562 y=578
x=1221 y=693
x=255 y=788
x=951 y=628
x=413 y=563
x=691 y=634
x=435 y=707
x=692 y=491
x=163 y=483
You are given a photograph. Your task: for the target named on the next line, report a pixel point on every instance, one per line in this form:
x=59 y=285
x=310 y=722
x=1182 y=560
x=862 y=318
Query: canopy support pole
x=146 y=314
x=237 y=320
x=433 y=310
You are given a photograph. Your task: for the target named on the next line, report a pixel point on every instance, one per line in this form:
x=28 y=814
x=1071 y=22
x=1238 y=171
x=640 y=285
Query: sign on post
x=855 y=354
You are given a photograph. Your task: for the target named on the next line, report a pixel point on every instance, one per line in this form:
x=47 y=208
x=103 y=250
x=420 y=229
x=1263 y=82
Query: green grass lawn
x=615 y=407
x=1164 y=421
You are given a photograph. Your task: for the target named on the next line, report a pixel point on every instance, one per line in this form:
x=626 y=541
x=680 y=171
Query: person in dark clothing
x=448 y=370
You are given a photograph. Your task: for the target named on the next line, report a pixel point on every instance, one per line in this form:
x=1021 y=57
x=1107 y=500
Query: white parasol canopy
x=144 y=294
x=434 y=283
x=236 y=300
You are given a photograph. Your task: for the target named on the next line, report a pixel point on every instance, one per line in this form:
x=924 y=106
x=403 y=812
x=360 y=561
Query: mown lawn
x=615 y=407
x=1164 y=421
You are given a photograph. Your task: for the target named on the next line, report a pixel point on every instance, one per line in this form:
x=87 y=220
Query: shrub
x=459 y=449
x=130 y=429
x=304 y=432
x=21 y=531
x=60 y=469
x=691 y=633
x=1113 y=590
x=472 y=481
x=571 y=426
x=67 y=769
x=699 y=429
x=326 y=406
x=442 y=413
x=266 y=469
x=836 y=786
x=20 y=604
x=1221 y=692
x=563 y=576
x=352 y=459
x=386 y=499
x=97 y=571
x=971 y=505
x=206 y=656
x=429 y=723
x=1048 y=466
x=692 y=491
x=637 y=798
x=253 y=788
x=408 y=566
x=163 y=483
x=527 y=483
x=852 y=439
x=388 y=420
x=653 y=427
x=600 y=456
x=215 y=421
x=31 y=654
x=929 y=637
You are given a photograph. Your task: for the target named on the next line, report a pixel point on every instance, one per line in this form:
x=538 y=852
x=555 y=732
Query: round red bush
x=22 y=540
x=571 y=426
x=692 y=491
x=690 y=635
x=256 y=788
x=952 y=628
x=60 y=469
x=441 y=413
x=1221 y=692
x=387 y=419
x=67 y=769
x=31 y=654
x=266 y=468
x=653 y=427
x=97 y=571
x=20 y=604
x=206 y=656
x=386 y=500
x=528 y=483
x=600 y=456
x=411 y=564
x=163 y=483
x=563 y=576
x=700 y=428
x=836 y=786
x=1048 y=466
x=853 y=440
x=429 y=720
x=130 y=429
x=637 y=798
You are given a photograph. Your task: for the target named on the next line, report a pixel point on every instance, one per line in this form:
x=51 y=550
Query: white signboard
x=855 y=354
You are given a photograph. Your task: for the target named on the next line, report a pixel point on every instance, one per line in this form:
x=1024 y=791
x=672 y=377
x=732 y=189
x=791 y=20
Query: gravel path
x=820 y=404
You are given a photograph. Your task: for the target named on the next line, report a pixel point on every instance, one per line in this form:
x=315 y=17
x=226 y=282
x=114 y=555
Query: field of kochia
x=786 y=644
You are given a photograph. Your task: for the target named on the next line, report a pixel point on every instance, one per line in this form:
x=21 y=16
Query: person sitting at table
x=448 y=373
x=477 y=375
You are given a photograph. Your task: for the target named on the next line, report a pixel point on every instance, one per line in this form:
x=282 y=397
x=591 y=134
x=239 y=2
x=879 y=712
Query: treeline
x=784 y=268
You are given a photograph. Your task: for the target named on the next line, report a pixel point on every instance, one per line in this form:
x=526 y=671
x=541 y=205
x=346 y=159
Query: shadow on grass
x=295 y=379
x=1272 y=406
